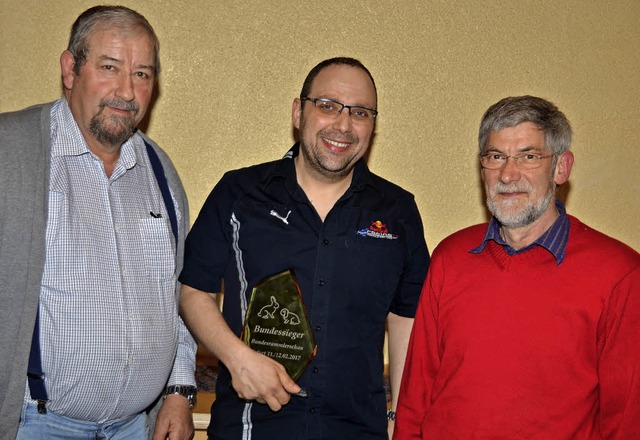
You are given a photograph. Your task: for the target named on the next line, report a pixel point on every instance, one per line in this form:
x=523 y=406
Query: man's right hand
x=254 y=375
x=260 y=378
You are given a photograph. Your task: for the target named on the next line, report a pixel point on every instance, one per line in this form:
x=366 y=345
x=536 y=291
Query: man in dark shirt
x=355 y=243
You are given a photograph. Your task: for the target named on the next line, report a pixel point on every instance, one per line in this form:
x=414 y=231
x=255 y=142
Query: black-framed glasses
x=524 y=161
x=331 y=108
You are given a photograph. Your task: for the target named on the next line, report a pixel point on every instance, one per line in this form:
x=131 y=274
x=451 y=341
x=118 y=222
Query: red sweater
x=518 y=347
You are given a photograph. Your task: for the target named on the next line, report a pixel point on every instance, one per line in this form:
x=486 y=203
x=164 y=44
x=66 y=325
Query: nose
x=343 y=121
x=125 y=89
x=510 y=171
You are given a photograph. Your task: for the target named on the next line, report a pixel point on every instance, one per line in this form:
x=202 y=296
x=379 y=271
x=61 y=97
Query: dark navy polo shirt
x=368 y=258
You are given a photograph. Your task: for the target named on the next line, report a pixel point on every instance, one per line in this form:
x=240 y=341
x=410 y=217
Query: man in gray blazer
x=93 y=218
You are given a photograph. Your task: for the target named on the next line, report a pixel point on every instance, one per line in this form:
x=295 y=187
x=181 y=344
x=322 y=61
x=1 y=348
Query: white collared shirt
x=108 y=313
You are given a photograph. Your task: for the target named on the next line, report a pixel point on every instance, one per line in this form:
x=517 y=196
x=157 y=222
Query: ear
x=482 y=170
x=296 y=112
x=563 y=168
x=66 y=67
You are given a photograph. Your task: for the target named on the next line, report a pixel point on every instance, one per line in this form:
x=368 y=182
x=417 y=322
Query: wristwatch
x=391 y=415
x=184 y=390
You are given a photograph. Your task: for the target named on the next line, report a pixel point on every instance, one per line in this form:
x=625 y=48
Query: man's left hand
x=174 y=420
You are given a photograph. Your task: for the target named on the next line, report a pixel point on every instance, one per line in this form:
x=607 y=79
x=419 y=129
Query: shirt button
x=318 y=328
x=321 y=282
x=312 y=410
x=315 y=370
x=325 y=242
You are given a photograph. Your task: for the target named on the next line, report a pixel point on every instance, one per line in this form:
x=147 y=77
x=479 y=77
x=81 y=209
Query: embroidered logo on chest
x=377 y=230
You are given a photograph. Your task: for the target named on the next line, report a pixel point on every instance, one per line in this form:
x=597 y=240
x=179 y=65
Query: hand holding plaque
x=277 y=324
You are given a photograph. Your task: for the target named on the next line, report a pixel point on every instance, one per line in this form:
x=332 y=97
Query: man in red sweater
x=528 y=327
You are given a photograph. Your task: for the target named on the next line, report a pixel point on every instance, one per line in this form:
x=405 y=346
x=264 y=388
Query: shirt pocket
x=158 y=246
x=379 y=258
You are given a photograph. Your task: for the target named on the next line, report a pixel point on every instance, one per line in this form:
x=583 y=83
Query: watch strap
x=187 y=391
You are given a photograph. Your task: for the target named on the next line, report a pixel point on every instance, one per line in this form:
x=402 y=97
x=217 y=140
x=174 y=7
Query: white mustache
x=504 y=188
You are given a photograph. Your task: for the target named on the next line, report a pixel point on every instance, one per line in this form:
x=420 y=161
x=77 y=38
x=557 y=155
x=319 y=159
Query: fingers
x=265 y=381
x=289 y=385
x=277 y=402
x=174 y=421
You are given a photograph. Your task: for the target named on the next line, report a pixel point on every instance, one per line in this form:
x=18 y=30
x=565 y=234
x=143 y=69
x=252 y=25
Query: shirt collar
x=67 y=140
x=554 y=239
x=286 y=168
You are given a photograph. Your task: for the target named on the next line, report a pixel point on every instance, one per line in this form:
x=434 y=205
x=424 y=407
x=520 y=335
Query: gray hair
x=515 y=110
x=100 y=18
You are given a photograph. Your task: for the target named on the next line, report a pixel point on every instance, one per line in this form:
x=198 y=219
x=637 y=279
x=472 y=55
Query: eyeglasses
x=331 y=108
x=524 y=161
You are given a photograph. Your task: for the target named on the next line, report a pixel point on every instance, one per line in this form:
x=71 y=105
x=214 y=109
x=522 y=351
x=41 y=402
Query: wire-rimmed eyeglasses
x=329 y=107
x=524 y=161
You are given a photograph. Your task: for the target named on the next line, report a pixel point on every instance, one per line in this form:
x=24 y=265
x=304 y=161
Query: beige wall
x=232 y=68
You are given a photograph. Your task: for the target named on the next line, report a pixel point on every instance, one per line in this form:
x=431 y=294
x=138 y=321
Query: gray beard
x=525 y=216
x=125 y=129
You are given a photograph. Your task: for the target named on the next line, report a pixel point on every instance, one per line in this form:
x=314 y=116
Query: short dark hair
x=346 y=61
x=99 y=18
x=514 y=110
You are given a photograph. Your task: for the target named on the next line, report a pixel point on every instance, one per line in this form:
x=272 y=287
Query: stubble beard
x=320 y=162
x=319 y=165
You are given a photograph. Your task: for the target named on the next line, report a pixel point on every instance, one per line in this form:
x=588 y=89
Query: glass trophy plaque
x=277 y=324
